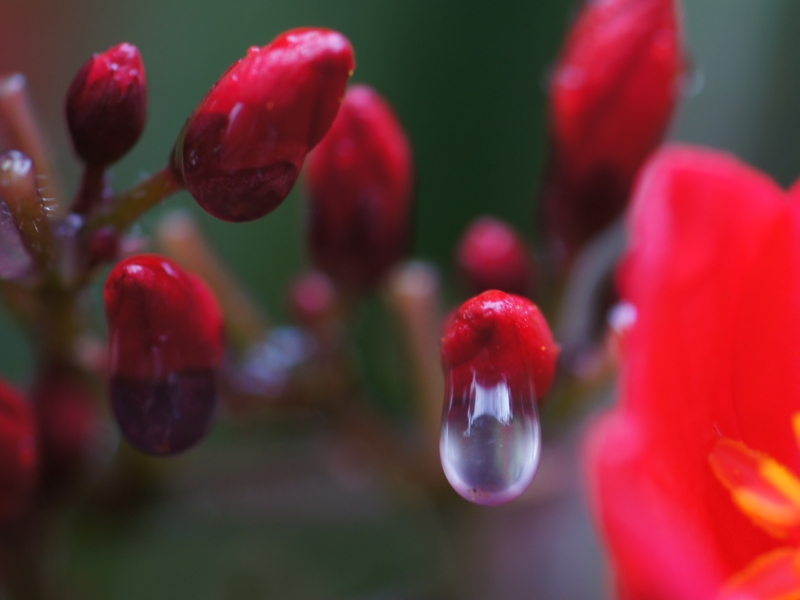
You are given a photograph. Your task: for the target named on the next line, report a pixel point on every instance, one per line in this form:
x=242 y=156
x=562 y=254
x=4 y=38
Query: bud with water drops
x=106 y=105
x=166 y=340
x=612 y=95
x=499 y=360
x=242 y=149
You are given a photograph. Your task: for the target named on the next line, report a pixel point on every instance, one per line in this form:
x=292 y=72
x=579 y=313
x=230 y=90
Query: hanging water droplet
x=490 y=441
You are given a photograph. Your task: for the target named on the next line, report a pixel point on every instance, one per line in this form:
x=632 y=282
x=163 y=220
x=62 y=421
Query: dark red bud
x=166 y=339
x=612 y=96
x=71 y=429
x=242 y=149
x=107 y=105
x=361 y=185
x=18 y=453
x=103 y=246
x=497 y=337
x=491 y=256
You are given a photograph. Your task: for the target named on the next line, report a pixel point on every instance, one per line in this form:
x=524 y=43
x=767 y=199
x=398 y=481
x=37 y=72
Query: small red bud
x=491 y=256
x=18 y=453
x=166 y=341
x=107 y=105
x=499 y=360
x=612 y=96
x=361 y=185
x=312 y=297
x=501 y=337
x=242 y=149
x=103 y=246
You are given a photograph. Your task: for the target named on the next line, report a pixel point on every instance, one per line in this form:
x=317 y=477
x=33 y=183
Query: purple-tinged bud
x=361 y=187
x=491 y=256
x=242 y=149
x=166 y=345
x=107 y=105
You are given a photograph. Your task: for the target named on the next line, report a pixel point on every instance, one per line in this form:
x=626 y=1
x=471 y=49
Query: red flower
x=611 y=98
x=18 y=453
x=491 y=256
x=499 y=359
x=713 y=272
x=166 y=339
x=107 y=105
x=241 y=150
x=361 y=184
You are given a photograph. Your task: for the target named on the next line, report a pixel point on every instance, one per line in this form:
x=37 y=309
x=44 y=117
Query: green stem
x=125 y=209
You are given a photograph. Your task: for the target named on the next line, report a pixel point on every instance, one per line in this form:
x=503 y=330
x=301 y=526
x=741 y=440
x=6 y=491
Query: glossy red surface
x=106 y=105
x=161 y=319
x=612 y=95
x=498 y=336
x=243 y=147
x=492 y=256
x=361 y=185
x=166 y=342
x=713 y=271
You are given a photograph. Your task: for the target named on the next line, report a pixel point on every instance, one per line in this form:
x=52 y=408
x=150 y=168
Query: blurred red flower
x=713 y=272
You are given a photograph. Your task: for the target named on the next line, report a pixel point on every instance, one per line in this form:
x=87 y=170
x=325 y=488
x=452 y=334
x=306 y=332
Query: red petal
x=713 y=273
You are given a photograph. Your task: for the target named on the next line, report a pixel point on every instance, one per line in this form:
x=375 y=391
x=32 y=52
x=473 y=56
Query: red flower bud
x=491 y=256
x=361 y=184
x=242 y=149
x=18 y=452
x=166 y=338
x=107 y=105
x=611 y=99
x=499 y=359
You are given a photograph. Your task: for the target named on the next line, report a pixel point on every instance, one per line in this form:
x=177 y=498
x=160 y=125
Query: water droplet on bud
x=490 y=441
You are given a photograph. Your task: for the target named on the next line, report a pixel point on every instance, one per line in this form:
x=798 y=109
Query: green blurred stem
x=125 y=209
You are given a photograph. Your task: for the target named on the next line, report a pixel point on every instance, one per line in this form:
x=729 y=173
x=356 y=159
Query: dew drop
x=166 y=416
x=490 y=442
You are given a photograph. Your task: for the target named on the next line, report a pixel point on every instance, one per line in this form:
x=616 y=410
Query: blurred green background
x=467 y=79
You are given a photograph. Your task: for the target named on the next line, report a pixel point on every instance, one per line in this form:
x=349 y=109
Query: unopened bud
x=361 y=186
x=612 y=96
x=491 y=256
x=166 y=340
x=242 y=149
x=107 y=105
